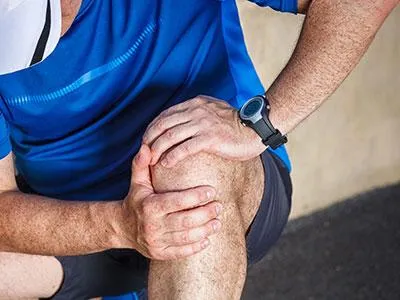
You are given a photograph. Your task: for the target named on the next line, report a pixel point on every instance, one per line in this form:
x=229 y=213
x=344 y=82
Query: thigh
x=28 y=276
x=273 y=211
x=109 y=273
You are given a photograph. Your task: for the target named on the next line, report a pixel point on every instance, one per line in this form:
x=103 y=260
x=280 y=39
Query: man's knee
x=196 y=170
x=239 y=185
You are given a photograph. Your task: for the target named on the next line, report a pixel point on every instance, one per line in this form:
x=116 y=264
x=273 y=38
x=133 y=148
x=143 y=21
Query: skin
x=187 y=126
x=153 y=224
x=69 y=10
x=334 y=37
x=323 y=58
x=211 y=274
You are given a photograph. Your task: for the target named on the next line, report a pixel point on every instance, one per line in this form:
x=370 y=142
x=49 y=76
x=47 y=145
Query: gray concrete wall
x=352 y=143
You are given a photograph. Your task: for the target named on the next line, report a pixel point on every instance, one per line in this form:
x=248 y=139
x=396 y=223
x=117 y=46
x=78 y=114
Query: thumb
x=141 y=178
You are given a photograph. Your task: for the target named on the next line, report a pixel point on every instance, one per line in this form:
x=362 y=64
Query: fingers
x=173 y=245
x=141 y=169
x=175 y=115
x=163 y=122
x=170 y=222
x=191 y=236
x=185 y=251
x=172 y=137
x=176 y=201
x=185 y=149
x=179 y=234
x=194 y=217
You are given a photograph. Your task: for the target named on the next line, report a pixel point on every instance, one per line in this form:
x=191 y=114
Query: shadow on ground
x=348 y=251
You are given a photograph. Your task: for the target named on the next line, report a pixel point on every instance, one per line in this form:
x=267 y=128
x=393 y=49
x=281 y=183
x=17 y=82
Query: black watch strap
x=270 y=136
x=275 y=140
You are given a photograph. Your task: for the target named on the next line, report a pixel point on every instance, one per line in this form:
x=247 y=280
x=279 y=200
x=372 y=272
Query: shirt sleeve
x=279 y=5
x=5 y=145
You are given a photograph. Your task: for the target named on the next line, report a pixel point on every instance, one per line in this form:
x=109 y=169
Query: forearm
x=334 y=37
x=38 y=225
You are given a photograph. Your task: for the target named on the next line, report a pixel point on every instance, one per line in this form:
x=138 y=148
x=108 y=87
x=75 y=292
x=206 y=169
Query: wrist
x=256 y=141
x=110 y=215
x=277 y=114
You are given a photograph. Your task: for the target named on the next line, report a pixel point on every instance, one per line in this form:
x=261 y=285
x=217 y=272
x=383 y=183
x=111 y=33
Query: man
x=203 y=197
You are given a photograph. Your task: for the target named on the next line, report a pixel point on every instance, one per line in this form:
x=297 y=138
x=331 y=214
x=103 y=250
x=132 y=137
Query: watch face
x=252 y=108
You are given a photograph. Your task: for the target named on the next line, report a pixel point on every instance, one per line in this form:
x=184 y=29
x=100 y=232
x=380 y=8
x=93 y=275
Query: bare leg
x=218 y=272
x=28 y=276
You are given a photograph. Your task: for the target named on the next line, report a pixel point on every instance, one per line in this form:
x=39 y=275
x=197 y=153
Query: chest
x=116 y=53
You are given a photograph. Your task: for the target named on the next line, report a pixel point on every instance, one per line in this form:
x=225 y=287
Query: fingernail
x=216 y=226
x=205 y=243
x=218 y=208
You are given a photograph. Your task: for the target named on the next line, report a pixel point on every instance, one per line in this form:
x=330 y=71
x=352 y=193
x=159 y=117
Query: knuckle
x=164 y=113
x=158 y=206
x=184 y=237
x=180 y=202
x=159 y=124
x=162 y=207
x=184 y=148
x=197 y=100
x=200 y=196
x=204 y=122
x=173 y=154
x=181 y=254
x=213 y=140
x=174 y=256
x=148 y=231
x=187 y=222
x=152 y=125
x=170 y=134
x=202 y=99
x=198 y=110
x=193 y=199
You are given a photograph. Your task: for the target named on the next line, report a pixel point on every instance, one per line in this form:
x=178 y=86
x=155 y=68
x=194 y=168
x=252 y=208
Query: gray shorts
x=117 y=272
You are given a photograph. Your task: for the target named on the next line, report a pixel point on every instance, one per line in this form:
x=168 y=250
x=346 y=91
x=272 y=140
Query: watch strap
x=270 y=137
x=275 y=140
x=262 y=129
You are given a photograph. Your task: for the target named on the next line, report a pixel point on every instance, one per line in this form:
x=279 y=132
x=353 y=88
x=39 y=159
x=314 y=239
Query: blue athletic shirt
x=75 y=121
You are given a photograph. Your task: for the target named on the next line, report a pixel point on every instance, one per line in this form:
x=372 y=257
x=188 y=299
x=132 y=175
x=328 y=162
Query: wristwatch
x=254 y=114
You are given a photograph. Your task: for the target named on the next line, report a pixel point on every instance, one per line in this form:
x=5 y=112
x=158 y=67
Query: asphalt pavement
x=350 y=250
